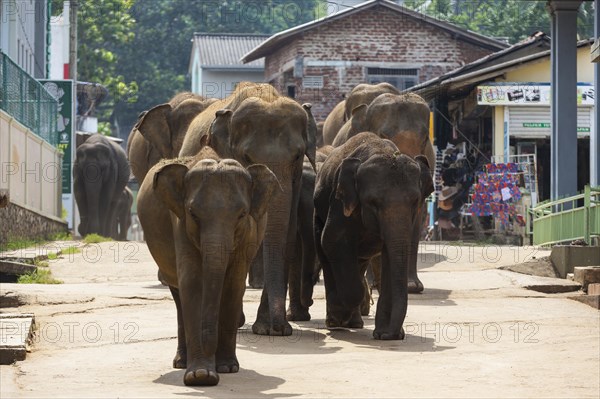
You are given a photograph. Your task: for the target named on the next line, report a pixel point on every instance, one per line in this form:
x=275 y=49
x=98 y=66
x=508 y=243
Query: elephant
x=304 y=270
x=363 y=93
x=159 y=132
x=123 y=220
x=367 y=198
x=203 y=219
x=403 y=119
x=100 y=173
x=257 y=125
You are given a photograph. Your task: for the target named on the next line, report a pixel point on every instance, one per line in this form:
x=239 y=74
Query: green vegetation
x=40 y=276
x=71 y=250
x=15 y=244
x=95 y=238
x=140 y=50
x=52 y=255
x=514 y=20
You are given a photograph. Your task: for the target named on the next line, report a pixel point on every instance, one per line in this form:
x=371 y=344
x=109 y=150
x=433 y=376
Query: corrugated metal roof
x=224 y=51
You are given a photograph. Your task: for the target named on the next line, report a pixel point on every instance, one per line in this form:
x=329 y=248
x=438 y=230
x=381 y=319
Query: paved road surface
x=109 y=331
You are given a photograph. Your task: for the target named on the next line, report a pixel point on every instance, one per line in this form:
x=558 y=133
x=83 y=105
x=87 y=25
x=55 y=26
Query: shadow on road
x=245 y=384
x=309 y=339
x=431 y=297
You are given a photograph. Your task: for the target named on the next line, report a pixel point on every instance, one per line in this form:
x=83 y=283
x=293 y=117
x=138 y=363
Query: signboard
x=527 y=94
x=545 y=125
x=62 y=91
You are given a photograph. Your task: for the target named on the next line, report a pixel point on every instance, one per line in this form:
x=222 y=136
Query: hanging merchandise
x=497 y=192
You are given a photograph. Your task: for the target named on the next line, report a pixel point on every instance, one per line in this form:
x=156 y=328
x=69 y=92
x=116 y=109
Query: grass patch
x=62 y=236
x=52 y=255
x=41 y=263
x=20 y=243
x=95 y=238
x=71 y=250
x=38 y=277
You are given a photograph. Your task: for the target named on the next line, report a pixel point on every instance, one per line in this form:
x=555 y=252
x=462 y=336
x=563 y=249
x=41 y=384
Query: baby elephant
x=367 y=199
x=203 y=220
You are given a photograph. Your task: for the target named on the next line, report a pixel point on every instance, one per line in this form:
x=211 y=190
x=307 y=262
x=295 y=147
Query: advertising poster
x=527 y=94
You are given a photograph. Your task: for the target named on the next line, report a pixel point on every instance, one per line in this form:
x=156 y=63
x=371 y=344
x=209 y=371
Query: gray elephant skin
x=123 y=220
x=100 y=173
x=363 y=93
x=159 y=132
x=367 y=199
x=255 y=125
x=403 y=119
x=216 y=216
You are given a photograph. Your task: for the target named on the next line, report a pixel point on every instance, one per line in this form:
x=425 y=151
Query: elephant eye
x=243 y=214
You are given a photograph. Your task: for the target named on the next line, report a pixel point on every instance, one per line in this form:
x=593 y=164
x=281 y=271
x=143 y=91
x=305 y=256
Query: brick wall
x=374 y=37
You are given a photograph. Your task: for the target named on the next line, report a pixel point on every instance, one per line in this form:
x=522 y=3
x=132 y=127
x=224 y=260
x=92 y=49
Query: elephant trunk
x=207 y=283
x=278 y=243
x=92 y=194
x=395 y=257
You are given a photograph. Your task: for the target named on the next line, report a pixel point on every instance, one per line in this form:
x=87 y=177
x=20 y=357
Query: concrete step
x=586 y=275
x=16 y=333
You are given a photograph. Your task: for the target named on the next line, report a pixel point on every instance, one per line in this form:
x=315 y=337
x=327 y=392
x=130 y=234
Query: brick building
x=378 y=40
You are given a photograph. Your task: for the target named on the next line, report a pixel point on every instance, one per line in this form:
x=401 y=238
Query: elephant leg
x=296 y=311
x=230 y=317
x=257 y=271
x=310 y=269
x=81 y=200
x=415 y=286
x=365 y=306
x=180 y=359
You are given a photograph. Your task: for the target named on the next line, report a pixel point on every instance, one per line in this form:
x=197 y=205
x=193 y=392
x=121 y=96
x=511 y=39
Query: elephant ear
x=264 y=183
x=153 y=125
x=426 y=179
x=169 y=187
x=346 y=186
x=311 y=136
x=219 y=132
x=359 y=118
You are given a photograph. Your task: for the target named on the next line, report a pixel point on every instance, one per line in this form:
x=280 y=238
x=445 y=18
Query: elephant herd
x=237 y=184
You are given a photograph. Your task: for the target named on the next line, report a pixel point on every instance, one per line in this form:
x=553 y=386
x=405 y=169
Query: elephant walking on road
x=100 y=173
x=367 y=200
x=203 y=219
x=256 y=125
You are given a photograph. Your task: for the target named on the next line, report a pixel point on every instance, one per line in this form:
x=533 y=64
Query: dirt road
x=109 y=331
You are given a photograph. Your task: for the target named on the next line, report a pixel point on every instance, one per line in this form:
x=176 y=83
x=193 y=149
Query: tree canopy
x=514 y=20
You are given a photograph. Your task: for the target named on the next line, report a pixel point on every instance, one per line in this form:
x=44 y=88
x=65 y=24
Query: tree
x=514 y=20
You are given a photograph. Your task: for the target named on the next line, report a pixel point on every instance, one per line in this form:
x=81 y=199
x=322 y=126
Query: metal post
x=595 y=134
x=73 y=41
x=586 y=213
x=563 y=142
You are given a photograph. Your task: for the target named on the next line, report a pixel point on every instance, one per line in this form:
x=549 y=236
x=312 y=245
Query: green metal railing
x=26 y=100
x=567 y=219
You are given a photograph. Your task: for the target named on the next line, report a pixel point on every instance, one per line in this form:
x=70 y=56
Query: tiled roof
x=224 y=51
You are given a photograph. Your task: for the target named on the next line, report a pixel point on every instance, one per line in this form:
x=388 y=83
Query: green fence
x=568 y=219
x=26 y=100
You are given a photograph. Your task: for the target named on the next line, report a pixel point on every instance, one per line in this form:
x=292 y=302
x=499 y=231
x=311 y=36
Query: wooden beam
x=595 y=53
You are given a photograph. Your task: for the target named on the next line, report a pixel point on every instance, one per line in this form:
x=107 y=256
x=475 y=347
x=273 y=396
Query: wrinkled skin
x=363 y=93
x=123 y=221
x=257 y=125
x=215 y=213
x=367 y=200
x=304 y=271
x=159 y=132
x=100 y=173
x=403 y=119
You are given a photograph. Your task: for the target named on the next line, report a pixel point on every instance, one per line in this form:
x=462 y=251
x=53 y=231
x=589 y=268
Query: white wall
x=30 y=169
x=219 y=84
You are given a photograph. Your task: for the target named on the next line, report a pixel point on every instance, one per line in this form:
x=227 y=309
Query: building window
x=312 y=82
x=291 y=91
x=401 y=78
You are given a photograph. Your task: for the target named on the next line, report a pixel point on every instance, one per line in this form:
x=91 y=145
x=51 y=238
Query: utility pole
x=73 y=41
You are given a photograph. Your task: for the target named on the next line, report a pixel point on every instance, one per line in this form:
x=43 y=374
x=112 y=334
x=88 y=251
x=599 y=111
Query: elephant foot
x=355 y=321
x=387 y=335
x=415 y=286
x=242 y=320
x=228 y=365
x=276 y=329
x=297 y=313
x=180 y=359
x=258 y=285
x=200 y=376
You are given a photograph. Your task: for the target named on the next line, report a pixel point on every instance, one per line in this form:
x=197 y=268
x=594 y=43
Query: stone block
x=566 y=257
x=16 y=331
x=593 y=289
x=587 y=275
